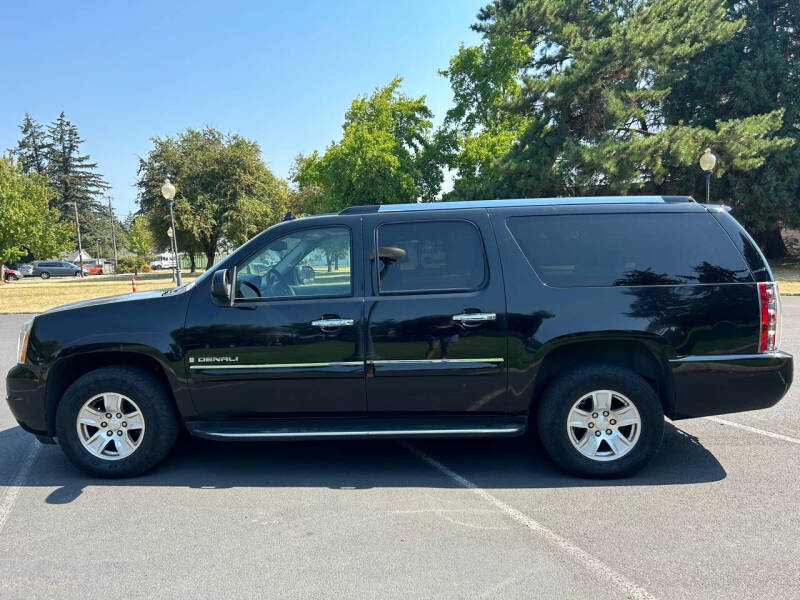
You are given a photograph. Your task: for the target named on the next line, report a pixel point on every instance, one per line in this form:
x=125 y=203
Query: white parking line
x=586 y=560
x=12 y=491
x=776 y=436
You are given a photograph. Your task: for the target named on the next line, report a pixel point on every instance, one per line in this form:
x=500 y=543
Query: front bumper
x=715 y=385
x=26 y=398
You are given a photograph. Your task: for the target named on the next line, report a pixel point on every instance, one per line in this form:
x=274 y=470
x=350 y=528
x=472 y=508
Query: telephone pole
x=78 y=229
x=113 y=235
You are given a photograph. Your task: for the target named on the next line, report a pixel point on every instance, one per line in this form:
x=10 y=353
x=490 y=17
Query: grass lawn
x=33 y=295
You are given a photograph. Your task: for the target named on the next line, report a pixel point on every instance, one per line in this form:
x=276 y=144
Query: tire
x=11 y=277
x=612 y=457
x=142 y=392
x=44 y=275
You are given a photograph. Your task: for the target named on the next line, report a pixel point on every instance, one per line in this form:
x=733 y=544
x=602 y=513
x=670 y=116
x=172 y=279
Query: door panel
x=441 y=349
x=271 y=356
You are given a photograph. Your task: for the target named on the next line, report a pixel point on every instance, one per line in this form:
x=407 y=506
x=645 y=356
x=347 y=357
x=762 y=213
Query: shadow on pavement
x=357 y=464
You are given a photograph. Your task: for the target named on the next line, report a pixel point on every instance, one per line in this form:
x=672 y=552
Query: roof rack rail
x=360 y=210
x=567 y=200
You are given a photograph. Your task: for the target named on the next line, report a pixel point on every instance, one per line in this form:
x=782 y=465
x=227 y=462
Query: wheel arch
x=643 y=357
x=67 y=370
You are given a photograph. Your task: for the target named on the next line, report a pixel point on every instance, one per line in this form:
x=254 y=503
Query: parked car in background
x=26 y=270
x=56 y=268
x=10 y=274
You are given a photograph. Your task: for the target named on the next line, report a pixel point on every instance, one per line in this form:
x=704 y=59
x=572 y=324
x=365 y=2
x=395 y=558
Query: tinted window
x=628 y=249
x=309 y=262
x=433 y=256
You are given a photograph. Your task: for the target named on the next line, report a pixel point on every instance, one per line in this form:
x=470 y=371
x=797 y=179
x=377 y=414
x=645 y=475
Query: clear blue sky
x=281 y=73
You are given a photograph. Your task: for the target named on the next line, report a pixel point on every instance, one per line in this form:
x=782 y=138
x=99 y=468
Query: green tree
x=225 y=192
x=33 y=147
x=480 y=129
x=757 y=72
x=27 y=224
x=139 y=239
x=386 y=155
x=74 y=179
x=592 y=88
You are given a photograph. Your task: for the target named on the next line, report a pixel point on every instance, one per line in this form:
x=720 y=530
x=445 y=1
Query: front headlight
x=22 y=342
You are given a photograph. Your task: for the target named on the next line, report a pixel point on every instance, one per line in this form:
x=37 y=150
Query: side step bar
x=366 y=427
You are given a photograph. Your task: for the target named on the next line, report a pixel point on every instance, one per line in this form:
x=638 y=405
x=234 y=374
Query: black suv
x=588 y=319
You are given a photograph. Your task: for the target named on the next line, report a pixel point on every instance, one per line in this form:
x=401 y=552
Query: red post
x=133 y=282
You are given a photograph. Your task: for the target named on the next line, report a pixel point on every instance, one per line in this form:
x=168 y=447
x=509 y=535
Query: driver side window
x=305 y=263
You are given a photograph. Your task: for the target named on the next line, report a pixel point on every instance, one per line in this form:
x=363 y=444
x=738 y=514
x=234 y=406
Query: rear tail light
x=769 y=305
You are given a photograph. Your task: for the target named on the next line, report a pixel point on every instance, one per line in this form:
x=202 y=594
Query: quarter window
x=431 y=256
x=628 y=249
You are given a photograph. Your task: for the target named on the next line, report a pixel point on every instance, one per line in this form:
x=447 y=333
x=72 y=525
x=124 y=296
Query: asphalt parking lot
x=715 y=515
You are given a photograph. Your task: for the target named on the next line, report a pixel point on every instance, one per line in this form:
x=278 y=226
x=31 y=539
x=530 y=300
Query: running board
x=366 y=427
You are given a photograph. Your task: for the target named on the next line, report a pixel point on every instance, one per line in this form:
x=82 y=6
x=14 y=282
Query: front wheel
x=116 y=422
x=600 y=421
x=11 y=277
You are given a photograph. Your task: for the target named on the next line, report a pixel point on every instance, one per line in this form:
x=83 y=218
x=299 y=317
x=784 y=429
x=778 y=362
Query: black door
x=290 y=344
x=435 y=312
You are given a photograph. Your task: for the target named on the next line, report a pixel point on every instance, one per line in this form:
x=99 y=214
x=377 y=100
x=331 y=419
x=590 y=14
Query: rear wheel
x=44 y=275
x=116 y=422
x=600 y=421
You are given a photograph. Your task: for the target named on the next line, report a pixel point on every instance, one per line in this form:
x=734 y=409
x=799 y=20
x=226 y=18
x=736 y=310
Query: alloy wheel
x=604 y=425
x=110 y=426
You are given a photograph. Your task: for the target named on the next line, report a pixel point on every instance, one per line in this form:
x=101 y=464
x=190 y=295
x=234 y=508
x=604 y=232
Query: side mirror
x=221 y=286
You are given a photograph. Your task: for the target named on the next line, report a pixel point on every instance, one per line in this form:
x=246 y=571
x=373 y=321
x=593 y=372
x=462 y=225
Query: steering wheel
x=277 y=286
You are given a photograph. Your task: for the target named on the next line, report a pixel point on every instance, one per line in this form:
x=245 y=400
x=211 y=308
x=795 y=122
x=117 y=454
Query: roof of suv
x=578 y=200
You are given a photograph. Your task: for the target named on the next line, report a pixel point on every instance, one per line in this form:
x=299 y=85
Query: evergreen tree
x=32 y=148
x=758 y=71
x=74 y=179
x=592 y=86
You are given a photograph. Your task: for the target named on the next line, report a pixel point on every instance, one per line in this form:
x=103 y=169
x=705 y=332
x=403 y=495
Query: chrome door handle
x=333 y=323
x=475 y=317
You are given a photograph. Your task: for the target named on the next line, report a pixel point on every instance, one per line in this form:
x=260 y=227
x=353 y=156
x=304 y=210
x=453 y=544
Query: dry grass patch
x=36 y=295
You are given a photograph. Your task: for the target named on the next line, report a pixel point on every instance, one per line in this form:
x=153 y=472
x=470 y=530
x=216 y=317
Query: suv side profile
x=588 y=319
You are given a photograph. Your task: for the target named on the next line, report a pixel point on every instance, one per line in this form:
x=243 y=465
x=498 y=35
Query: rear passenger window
x=628 y=249
x=431 y=256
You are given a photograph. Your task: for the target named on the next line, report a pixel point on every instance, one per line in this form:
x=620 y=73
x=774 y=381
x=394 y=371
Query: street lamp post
x=171 y=249
x=707 y=162
x=168 y=191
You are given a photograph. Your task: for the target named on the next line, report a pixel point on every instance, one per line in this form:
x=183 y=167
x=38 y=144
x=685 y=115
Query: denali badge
x=215 y=359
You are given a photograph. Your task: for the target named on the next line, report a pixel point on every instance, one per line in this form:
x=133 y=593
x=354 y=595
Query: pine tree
x=757 y=72
x=75 y=179
x=32 y=148
x=593 y=84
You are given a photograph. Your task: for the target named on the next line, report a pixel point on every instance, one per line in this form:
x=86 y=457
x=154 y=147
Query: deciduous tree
x=385 y=156
x=225 y=192
x=27 y=224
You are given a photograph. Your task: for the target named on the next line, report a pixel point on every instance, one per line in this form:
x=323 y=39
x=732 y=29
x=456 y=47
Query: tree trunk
x=771 y=242
x=336 y=263
x=330 y=261
x=209 y=259
x=192 y=263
